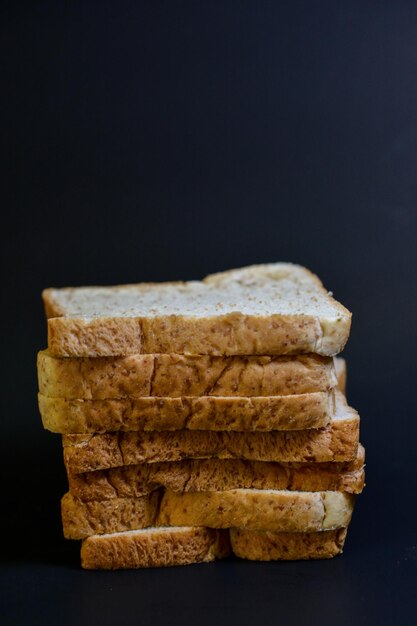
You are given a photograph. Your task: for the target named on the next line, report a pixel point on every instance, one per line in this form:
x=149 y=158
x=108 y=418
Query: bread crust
x=82 y=519
x=232 y=333
x=273 y=546
x=218 y=475
x=172 y=415
x=155 y=548
x=176 y=375
x=256 y=509
x=274 y=335
x=290 y=412
x=283 y=511
x=337 y=442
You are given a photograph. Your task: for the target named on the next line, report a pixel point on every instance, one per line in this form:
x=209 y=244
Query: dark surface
x=149 y=141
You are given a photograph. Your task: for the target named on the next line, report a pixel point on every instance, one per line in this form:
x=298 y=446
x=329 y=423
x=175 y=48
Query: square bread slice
x=154 y=547
x=336 y=442
x=270 y=309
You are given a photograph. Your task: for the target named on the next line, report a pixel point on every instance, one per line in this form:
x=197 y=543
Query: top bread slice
x=272 y=309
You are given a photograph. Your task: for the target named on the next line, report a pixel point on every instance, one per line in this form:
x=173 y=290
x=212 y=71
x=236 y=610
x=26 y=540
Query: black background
x=168 y=140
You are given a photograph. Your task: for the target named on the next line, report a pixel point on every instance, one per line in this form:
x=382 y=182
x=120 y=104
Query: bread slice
x=263 y=309
x=272 y=546
x=154 y=547
x=258 y=509
x=291 y=412
x=177 y=375
x=336 y=442
x=168 y=546
x=254 y=509
x=82 y=519
x=218 y=475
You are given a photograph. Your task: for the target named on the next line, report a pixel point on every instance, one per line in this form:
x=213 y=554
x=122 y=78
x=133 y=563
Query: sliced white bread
x=263 y=309
x=336 y=442
x=154 y=547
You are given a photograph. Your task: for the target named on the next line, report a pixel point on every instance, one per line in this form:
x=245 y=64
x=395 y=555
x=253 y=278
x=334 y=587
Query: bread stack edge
x=202 y=418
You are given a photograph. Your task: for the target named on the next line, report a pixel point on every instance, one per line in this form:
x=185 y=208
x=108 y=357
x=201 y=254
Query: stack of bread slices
x=202 y=418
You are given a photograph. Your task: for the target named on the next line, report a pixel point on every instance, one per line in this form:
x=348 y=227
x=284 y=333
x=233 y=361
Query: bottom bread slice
x=273 y=546
x=154 y=547
x=169 y=546
x=254 y=509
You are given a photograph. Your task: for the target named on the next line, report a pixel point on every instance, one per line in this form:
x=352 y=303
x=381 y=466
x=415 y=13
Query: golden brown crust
x=290 y=412
x=81 y=519
x=283 y=511
x=98 y=337
x=176 y=375
x=218 y=475
x=336 y=442
x=155 y=548
x=273 y=546
x=232 y=334
x=311 y=321
x=51 y=306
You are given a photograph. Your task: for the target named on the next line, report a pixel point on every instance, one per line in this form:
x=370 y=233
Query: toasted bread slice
x=263 y=309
